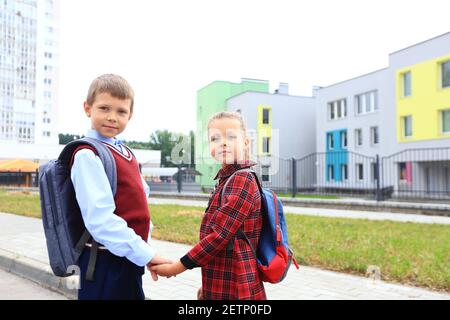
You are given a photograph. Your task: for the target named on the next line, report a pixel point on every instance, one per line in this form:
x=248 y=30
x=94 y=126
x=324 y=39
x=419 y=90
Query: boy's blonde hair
x=229 y=115
x=113 y=84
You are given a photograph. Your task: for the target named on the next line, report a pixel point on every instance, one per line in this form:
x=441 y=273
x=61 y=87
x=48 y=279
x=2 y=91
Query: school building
x=388 y=129
x=400 y=113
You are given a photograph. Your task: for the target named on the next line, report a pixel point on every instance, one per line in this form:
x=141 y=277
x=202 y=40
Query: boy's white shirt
x=97 y=206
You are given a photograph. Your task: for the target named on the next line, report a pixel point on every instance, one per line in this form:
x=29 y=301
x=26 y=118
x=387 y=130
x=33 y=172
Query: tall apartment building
x=29 y=71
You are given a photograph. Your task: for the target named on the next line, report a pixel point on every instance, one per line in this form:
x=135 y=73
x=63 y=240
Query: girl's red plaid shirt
x=230 y=274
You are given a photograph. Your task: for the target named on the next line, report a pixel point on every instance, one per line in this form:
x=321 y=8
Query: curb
x=38 y=272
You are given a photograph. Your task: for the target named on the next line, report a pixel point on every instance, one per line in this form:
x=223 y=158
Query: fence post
x=18 y=179
x=179 y=179
x=377 y=172
x=294 y=178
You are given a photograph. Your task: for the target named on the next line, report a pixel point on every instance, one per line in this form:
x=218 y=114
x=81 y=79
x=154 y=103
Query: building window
x=446 y=121
x=330 y=172
x=337 y=109
x=445 y=72
x=266 y=116
x=407 y=126
x=265 y=173
x=358 y=137
x=330 y=138
x=359 y=171
x=374 y=135
x=266 y=145
x=406 y=84
x=343 y=139
x=344 y=171
x=366 y=102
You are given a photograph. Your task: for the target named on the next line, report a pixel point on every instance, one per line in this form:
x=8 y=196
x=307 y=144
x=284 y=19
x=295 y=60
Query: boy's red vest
x=130 y=199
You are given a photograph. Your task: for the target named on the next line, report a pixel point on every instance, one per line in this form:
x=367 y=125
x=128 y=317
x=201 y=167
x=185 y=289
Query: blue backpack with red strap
x=273 y=255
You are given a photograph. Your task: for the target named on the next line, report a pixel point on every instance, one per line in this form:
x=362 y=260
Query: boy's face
x=109 y=115
x=227 y=142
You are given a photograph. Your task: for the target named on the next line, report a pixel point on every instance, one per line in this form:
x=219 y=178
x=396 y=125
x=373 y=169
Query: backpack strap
x=240 y=234
x=229 y=178
x=109 y=164
x=103 y=153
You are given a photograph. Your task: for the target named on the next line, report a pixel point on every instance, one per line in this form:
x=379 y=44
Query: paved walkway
x=17 y=288
x=336 y=213
x=23 y=250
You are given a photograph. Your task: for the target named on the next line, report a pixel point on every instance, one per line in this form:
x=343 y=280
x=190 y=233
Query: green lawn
x=20 y=203
x=409 y=253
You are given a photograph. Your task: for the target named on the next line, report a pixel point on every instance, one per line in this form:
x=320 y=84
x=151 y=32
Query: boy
x=120 y=223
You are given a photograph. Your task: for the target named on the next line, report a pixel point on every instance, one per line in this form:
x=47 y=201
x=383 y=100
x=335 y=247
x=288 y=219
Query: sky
x=169 y=49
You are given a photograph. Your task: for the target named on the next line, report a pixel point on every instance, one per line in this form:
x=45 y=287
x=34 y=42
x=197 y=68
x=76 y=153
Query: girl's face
x=227 y=141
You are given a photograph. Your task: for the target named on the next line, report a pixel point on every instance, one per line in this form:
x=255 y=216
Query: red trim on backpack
x=78 y=149
x=295 y=262
x=277 y=225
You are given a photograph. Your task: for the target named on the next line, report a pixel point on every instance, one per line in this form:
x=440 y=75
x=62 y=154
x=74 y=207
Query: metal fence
x=422 y=174
x=413 y=174
x=334 y=173
x=18 y=179
x=182 y=181
x=417 y=174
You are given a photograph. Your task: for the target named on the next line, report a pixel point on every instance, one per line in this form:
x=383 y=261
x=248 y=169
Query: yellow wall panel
x=426 y=102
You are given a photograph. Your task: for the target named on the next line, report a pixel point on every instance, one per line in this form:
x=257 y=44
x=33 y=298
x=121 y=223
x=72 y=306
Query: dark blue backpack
x=64 y=228
x=273 y=255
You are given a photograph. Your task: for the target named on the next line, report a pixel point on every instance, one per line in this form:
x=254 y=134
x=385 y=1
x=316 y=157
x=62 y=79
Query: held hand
x=155 y=261
x=163 y=270
x=153 y=274
x=200 y=294
x=168 y=270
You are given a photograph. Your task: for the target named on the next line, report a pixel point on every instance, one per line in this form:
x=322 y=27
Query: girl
x=227 y=273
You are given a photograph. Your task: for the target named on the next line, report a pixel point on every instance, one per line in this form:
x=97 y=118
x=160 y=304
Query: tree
x=167 y=141
x=65 y=138
x=138 y=144
x=162 y=140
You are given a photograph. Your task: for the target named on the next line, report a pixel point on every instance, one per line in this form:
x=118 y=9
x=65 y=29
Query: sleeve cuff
x=143 y=255
x=188 y=263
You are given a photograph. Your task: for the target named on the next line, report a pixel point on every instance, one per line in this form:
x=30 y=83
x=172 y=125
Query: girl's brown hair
x=229 y=115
